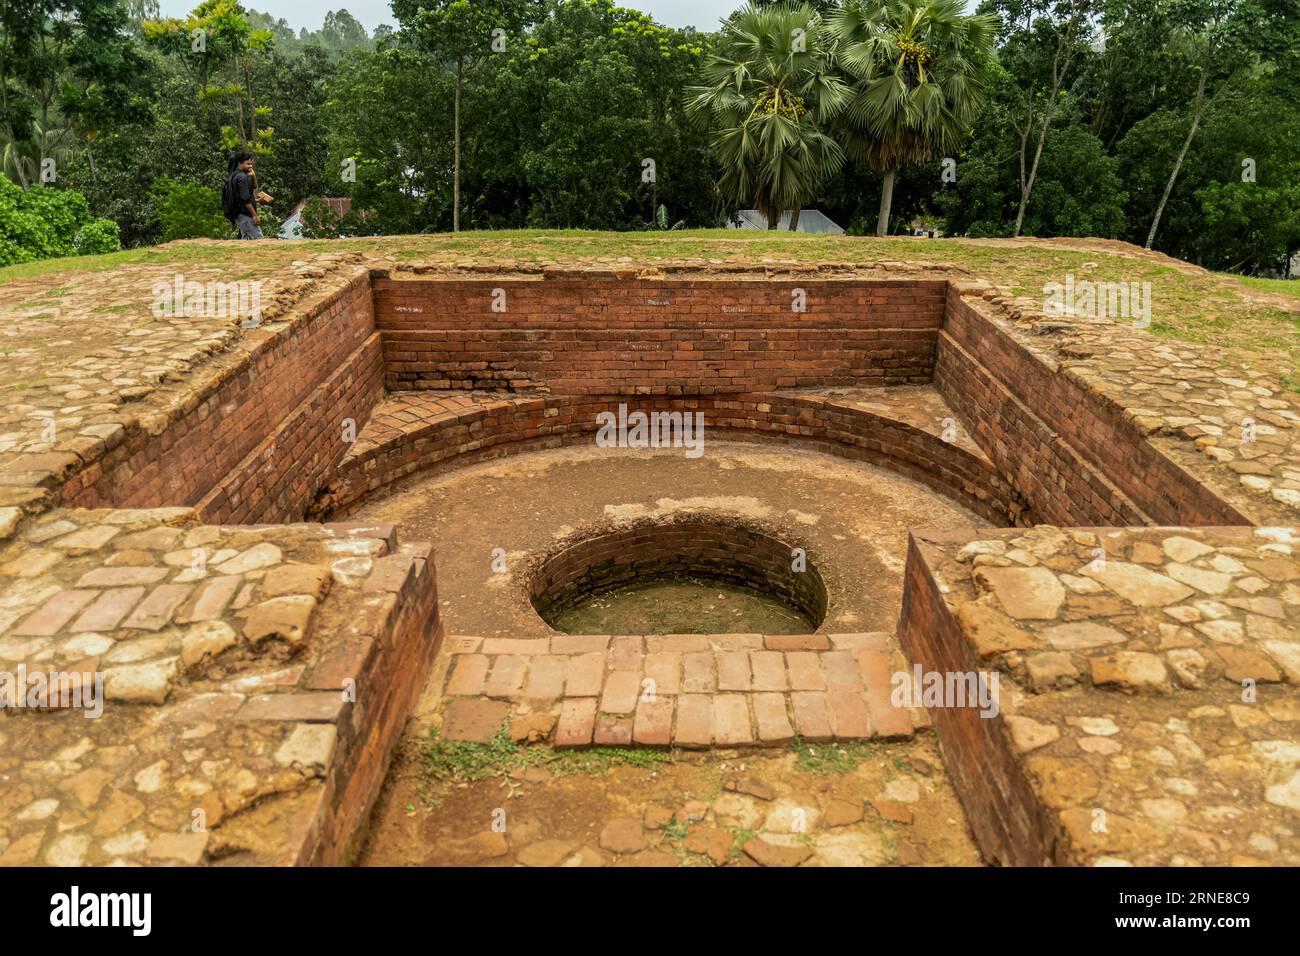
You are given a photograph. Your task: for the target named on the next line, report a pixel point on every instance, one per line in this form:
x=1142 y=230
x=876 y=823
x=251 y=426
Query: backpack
x=229 y=199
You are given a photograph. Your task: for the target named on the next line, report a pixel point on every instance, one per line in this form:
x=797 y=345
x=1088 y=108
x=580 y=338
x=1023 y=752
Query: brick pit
x=378 y=377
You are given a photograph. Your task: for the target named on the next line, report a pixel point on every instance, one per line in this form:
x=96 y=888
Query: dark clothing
x=244 y=191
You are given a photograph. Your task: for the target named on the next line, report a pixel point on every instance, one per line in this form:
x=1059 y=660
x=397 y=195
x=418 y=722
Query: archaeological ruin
x=292 y=549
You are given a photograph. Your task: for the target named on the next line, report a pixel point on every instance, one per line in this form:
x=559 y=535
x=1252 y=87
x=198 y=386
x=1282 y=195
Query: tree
x=1212 y=40
x=65 y=65
x=1043 y=42
x=921 y=71
x=766 y=92
x=463 y=32
x=218 y=47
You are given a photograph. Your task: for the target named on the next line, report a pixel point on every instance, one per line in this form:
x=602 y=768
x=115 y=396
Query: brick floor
x=687 y=690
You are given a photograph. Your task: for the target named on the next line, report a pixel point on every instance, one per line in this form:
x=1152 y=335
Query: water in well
x=682 y=605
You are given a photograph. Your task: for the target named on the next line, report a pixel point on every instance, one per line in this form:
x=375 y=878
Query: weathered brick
x=733 y=671
x=468 y=675
x=731 y=720
x=507 y=676
x=769 y=670
x=577 y=722
x=622 y=688
x=545 y=677
x=773 y=724
x=654 y=722
x=697 y=673
x=694 y=725
x=585 y=675
x=665 y=669
x=812 y=717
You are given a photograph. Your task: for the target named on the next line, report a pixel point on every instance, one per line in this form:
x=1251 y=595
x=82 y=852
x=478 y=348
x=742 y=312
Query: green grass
x=464 y=761
x=833 y=757
x=1202 y=308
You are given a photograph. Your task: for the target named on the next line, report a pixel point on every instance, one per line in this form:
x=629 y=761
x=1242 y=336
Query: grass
x=832 y=758
x=1202 y=307
x=465 y=761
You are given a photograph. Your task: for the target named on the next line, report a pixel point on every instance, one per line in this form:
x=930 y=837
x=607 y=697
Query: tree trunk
x=1033 y=172
x=794 y=219
x=1178 y=163
x=886 y=200
x=455 y=189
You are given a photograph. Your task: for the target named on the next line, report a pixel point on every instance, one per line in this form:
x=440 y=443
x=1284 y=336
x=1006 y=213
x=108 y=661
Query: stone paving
x=1151 y=683
x=222 y=653
x=681 y=690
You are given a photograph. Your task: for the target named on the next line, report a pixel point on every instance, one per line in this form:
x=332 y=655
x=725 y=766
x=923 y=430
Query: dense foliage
x=1172 y=123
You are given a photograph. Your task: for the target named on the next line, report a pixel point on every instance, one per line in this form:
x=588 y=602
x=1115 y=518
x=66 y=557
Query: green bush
x=98 y=236
x=189 y=211
x=45 y=222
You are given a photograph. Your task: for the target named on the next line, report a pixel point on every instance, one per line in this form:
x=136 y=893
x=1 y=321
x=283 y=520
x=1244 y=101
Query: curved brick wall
x=730 y=552
x=491 y=428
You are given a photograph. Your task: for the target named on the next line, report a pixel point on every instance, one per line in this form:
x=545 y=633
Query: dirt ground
x=866 y=804
x=895 y=807
x=851 y=518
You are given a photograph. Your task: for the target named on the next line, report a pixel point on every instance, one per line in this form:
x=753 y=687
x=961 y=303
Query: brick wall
x=1009 y=826
x=503 y=426
x=280 y=478
x=614 y=335
x=254 y=401
x=719 y=550
x=1068 y=450
x=387 y=651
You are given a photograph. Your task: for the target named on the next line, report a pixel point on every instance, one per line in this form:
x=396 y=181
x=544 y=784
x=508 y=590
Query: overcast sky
x=703 y=14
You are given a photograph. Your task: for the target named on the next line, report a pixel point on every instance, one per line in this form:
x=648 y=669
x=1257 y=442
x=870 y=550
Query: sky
x=702 y=14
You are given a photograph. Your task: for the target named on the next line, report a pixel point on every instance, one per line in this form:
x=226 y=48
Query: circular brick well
x=726 y=551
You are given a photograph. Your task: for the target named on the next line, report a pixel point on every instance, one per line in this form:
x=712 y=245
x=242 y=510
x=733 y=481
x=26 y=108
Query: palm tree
x=921 y=71
x=767 y=91
x=21 y=160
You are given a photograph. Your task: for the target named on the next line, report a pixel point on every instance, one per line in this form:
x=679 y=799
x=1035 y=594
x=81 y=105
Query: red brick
x=613 y=731
x=508 y=645
x=55 y=613
x=654 y=722
x=805 y=670
x=468 y=675
x=886 y=719
x=733 y=671
x=840 y=669
x=677 y=643
x=545 y=677
x=585 y=675
x=812 y=717
x=622 y=688
x=694 y=726
x=507 y=677
x=773 y=723
x=848 y=714
x=796 y=642
x=731 y=720
x=579 y=644
x=108 y=610
x=323 y=707
x=155 y=611
x=698 y=673
x=210 y=599
x=769 y=670
x=577 y=722
x=625 y=654
x=666 y=671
